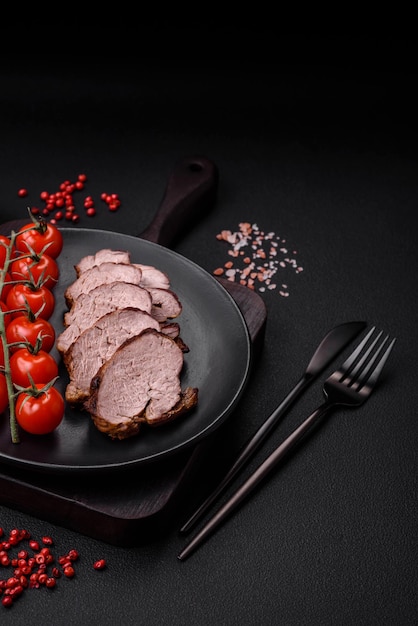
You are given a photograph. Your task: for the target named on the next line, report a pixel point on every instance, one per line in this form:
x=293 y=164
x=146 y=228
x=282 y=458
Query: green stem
x=14 y=429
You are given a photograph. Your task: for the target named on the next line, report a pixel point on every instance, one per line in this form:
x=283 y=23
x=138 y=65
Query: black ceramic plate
x=218 y=364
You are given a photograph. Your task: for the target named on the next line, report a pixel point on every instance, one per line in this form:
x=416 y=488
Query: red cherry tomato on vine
x=40 y=366
x=46 y=239
x=42 y=414
x=4 y=244
x=41 y=301
x=7 y=318
x=23 y=329
x=42 y=269
x=4 y=397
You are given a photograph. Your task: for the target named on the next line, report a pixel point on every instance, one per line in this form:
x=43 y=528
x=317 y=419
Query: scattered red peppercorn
x=69 y=571
x=61 y=204
x=33 y=570
x=73 y=555
x=47 y=541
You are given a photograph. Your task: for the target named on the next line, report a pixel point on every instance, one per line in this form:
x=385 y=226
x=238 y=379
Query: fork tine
x=355 y=372
x=373 y=378
x=349 y=362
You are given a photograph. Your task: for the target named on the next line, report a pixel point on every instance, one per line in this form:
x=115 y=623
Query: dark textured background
x=316 y=141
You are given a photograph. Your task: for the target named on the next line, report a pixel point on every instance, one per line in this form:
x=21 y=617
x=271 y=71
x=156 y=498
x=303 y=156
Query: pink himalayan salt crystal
x=257 y=258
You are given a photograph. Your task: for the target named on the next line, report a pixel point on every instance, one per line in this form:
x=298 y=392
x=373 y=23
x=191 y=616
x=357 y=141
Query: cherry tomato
x=40 y=366
x=24 y=329
x=42 y=414
x=7 y=318
x=39 y=269
x=45 y=238
x=4 y=396
x=4 y=244
x=5 y=289
x=41 y=301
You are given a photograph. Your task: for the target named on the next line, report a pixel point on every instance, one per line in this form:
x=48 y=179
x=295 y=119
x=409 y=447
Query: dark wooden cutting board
x=124 y=507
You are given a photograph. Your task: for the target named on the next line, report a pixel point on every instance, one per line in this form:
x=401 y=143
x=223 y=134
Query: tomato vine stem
x=14 y=430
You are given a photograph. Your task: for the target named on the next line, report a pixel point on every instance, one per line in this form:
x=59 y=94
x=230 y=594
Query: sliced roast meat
x=165 y=304
x=104 y=273
x=97 y=344
x=139 y=383
x=89 y=307
x=105 y=255
x=172 y=329
x=153 y=277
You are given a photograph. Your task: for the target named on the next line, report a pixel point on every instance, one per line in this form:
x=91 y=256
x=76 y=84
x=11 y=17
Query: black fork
x=350 y=385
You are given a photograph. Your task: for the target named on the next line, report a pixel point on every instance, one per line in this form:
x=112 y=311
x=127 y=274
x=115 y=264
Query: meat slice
x=170 y=328
x=153 y=277
x=104 y=273
x=106 y=255
x=139 y=384
x=89 y=307
x=165 y=304
x=97 y=344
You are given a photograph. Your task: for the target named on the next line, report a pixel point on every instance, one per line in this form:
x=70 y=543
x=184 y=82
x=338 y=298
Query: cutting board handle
x=190 y=192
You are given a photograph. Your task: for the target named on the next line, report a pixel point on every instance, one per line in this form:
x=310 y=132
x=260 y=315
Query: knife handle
x=190 y=192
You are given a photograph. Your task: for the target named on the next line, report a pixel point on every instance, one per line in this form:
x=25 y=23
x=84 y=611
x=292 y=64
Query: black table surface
x=324 y=158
